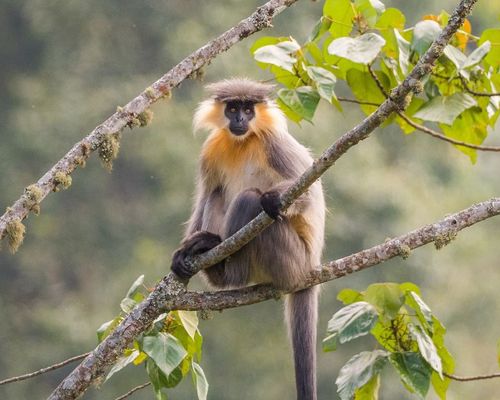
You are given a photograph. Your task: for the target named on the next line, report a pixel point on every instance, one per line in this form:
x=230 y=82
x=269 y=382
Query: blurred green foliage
x=66 y=65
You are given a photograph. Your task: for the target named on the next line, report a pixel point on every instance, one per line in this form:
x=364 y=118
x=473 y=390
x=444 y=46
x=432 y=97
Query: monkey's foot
x=271 y=202
x=198 y=243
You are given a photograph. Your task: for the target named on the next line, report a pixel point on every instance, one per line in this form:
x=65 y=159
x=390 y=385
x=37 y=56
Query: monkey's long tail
x=301 y=311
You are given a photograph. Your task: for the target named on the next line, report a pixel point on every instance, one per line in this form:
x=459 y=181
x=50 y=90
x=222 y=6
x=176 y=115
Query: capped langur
x=247 y=162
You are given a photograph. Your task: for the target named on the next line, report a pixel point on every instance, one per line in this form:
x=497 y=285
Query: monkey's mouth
x=238 y=130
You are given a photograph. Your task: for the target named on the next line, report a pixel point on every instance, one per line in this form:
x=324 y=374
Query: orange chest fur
x=237 y=164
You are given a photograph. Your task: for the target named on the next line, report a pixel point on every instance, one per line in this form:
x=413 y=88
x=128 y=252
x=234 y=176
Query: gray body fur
x=282 y=254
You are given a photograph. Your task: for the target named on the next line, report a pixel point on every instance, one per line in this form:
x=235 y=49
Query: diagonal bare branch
x=43 y=370
x=128 y=114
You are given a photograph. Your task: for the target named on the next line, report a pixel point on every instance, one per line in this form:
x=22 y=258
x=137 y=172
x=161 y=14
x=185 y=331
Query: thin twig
x=440 y=136
x=43 y=370
x=472 y=378
x=367 y=103
x=473 y=92
x=132 y=391
x=377 y=81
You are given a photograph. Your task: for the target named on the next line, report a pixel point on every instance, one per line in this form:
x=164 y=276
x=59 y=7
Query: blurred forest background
x=67 y=64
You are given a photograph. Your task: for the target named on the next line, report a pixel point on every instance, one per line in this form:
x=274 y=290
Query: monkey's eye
x=232 y=109
x=248 y=111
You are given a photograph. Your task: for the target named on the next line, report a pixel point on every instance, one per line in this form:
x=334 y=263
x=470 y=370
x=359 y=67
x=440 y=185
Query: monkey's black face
x=239 y=113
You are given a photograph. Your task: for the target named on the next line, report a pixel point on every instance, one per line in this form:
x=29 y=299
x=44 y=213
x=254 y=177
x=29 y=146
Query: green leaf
x=440 y=385
x=458 y=58
x=362 y=49
x=390 y=21
x=424 y=33
x=287 y=79
x=127 y=305
x=443 y=353
x=121 y=363
x=427 y=349
x=349 y=323
x=477 y=55
x=423 y=311
x=324 y=81
x=107 y=327
x=135 y=286
x=369 y=391
x=189 y=320
x=365 y=89
x=341 y=13
x=265 y=41
x=302 y=101
x=386 y=297
x=403 y=52
x=315 y=52
x=200 y=381
x=358 y=371
x=445 y=109
x=173 y=379
x=280 y=54
x=349 y=296
x=470 y=127
x=155 y=376
x=414 y=372
x=322 y=26
x=191 y=344
x=166 y=351
x=492 y=35
x=391 y=18
x=409 y=286
x=370 y=9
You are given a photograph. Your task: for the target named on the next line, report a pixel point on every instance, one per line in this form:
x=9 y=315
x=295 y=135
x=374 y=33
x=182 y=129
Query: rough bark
x=125 y=116
x=440 y=233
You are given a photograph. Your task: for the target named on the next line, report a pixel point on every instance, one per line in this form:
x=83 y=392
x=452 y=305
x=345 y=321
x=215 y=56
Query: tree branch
x=43 y=370
x=471 y=378
x=441 y=233
x=367 y=103
x=132 y=391
x=473 y=92
x=169 y=288
x=127 y=115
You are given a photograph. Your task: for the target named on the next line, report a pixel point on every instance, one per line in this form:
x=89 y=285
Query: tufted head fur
x=240 y=89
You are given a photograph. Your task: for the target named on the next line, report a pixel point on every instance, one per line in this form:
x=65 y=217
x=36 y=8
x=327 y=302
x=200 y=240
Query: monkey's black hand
x=270 y=202
x=199 y=242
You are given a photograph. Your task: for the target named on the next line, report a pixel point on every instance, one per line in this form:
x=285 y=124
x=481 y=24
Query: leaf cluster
x=354 y=36
x=409 y=336
x=169 y=350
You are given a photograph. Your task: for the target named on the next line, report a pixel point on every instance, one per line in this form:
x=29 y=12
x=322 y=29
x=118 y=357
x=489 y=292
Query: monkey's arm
x=198 y=239
x=289 y=160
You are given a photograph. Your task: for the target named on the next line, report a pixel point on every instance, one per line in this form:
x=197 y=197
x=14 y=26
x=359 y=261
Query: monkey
x=248 y=160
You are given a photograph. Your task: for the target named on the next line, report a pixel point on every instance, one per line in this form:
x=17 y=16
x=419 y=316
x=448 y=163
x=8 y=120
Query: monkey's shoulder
x=287 y=156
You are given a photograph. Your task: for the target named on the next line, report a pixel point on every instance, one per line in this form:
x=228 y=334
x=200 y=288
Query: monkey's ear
x=209 y=115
